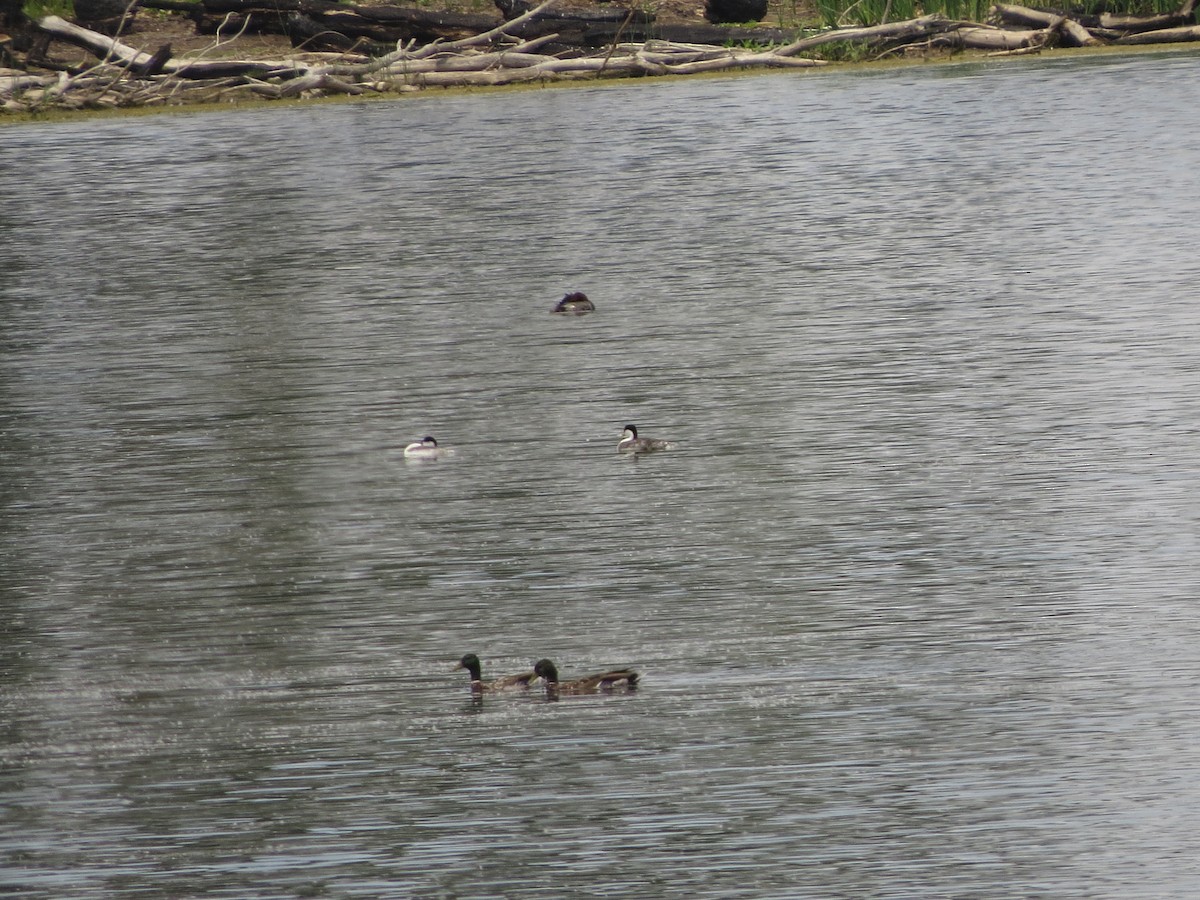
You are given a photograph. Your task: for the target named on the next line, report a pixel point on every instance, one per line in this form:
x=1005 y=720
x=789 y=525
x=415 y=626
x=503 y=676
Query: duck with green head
x=471 y=663
x=589 y=684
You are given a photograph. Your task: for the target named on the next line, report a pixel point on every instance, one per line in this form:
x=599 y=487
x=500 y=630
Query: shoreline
x=249 y=102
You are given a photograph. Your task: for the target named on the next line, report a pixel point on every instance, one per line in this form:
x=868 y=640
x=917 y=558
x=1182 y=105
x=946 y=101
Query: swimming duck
x=631 y=443
x=470 y=662
x=591 y=684
x=425 y=448
x=575 y=302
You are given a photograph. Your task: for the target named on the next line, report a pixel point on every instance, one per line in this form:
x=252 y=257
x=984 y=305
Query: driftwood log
x=1072 y=31
x=1162 y=36
x=328 y=25
x=1099 y=29
x=515 y=50
x=114 y=53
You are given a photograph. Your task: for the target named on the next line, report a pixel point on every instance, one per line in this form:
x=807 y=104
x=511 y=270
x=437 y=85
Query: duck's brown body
x=470 y=662
x=631 y=443
x=591 y=684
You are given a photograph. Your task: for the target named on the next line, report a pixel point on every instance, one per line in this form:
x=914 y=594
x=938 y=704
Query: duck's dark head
x=632 y=430
x=543 y=668
x=428 y=439
x=575 y=297
x=470 y=662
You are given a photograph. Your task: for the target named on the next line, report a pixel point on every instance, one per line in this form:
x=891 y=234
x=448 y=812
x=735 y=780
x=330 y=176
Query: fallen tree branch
x=1074 y=34
x=488 y=36
x=911 y=29
x=1162 y=36
x=499 y=55
x=121 y=54
x=989 y=37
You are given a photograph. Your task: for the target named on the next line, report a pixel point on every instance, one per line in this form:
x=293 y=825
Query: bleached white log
x=1163 y=36
x=910 y=29
x=982 y=37
x=107 y=48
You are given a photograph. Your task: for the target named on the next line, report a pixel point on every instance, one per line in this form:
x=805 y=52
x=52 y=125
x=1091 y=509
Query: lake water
x=915 y=599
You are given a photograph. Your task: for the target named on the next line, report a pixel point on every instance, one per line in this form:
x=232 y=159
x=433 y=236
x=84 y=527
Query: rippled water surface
x=914 y=600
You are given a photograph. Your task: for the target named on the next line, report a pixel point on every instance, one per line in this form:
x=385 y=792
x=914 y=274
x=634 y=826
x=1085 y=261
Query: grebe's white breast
x=631 y=443
x=426 y=448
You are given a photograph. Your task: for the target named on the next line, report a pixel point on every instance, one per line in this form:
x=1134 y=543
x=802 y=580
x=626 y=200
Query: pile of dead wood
x=511 y=52
x=1021 y=29
x=376 y=29
x=326 y=25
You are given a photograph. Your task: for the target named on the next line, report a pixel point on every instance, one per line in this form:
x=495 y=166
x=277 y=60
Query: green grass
x=1127 y=7
x=844 y=52
x=874 y=12
x=35 y=9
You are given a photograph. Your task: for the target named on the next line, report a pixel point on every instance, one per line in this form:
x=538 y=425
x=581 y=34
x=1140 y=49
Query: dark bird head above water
x=574 y=302
x=471 y=663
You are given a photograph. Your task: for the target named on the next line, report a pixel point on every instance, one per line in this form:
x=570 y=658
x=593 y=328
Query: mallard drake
x=631 y=443
x=470 y=662
x=591 y=684
x=425 y=448
x=576 y=302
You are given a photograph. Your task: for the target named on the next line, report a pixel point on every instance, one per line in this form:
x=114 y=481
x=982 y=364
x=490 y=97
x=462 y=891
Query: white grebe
x=425 y=448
